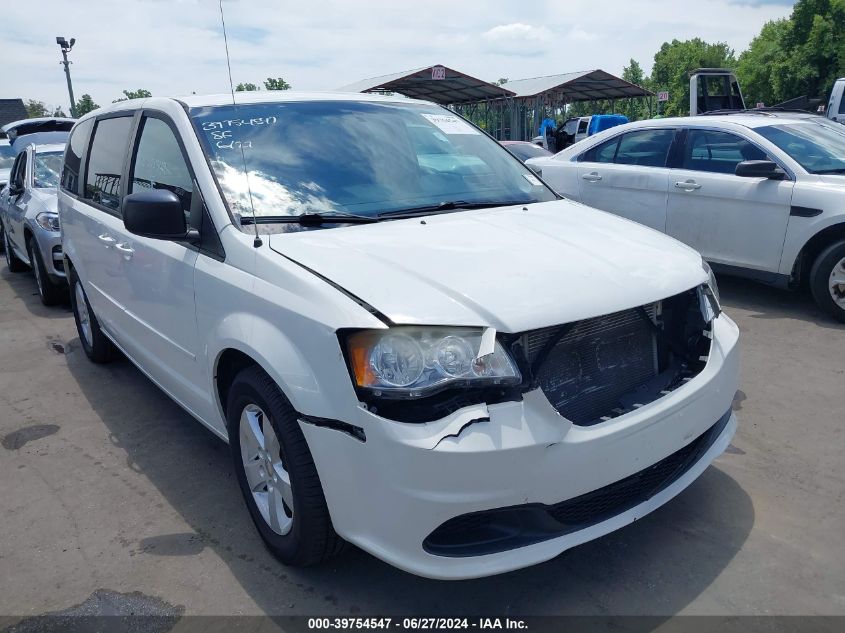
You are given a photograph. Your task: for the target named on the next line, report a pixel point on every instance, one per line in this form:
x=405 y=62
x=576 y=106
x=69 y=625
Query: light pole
x=66 y=48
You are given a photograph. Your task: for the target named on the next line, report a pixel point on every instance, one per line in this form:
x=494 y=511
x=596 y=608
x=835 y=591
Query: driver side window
x=160 y=164
x=18 y=174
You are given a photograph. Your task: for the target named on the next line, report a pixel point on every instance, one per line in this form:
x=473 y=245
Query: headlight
x=410 y=362
x=48 y=221
x=711 y=282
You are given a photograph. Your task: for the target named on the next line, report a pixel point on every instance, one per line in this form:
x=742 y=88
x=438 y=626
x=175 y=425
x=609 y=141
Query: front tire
x=15 y=264
x=97 y=347
x=50 y=292
x=827 y=280
x=276 y=472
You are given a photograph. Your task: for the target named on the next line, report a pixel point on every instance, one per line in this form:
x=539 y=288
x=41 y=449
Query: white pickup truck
x=835 y=110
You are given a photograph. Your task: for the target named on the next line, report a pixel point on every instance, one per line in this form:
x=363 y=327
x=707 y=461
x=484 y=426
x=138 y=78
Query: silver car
x=30 y=220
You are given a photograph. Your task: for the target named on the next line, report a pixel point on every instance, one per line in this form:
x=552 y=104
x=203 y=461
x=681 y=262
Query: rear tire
x=97 y=347
x=15 y=264
x=300 y=535
x=51 y=293
x=827 y=280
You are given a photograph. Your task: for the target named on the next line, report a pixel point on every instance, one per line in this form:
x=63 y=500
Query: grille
x=595 y=363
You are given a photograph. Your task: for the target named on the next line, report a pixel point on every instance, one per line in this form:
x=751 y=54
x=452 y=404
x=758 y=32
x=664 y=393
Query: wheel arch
x=813 y=247
x=267 y=348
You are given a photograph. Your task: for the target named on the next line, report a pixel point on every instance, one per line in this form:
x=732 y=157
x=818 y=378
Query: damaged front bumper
x=484 y=490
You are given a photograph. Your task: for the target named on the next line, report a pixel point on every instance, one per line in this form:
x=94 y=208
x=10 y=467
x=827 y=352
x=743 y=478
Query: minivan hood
x=513 y=268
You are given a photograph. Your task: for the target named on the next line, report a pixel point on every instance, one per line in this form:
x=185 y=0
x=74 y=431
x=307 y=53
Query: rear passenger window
x=719 y=152
x=160 y=164
x=105 y=161
x=647 y=148
x=73 y=156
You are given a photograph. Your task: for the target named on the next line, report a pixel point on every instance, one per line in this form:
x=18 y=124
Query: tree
x=760 y=66
x=85 y=105
x=501 y=81
x=246 y=87
x=58 y=112
x=276 y=84
x=36 y=109
x=634 y=109
x=674 y=61
x=134 y=94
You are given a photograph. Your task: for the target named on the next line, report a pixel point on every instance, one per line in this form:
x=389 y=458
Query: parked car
x=439 y=361
x=760 y=195
x=29 y=214
x=7 y=157
x=524 y=150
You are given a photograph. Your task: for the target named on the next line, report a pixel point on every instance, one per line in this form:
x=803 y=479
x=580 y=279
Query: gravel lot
x=107 y=486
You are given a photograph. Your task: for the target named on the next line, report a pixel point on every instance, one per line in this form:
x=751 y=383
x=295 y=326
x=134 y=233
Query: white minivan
x=409 y=341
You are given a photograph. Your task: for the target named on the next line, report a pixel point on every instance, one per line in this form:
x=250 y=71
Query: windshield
x=7 y=156
x=46 y=169
x=362 y=158
x=818 y=147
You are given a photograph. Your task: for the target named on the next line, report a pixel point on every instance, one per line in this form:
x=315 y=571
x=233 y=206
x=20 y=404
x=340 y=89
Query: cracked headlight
x=410 y=362
x=48 y=221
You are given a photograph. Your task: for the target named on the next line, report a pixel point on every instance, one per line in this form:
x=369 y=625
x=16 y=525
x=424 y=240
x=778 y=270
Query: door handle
x=125 y=249
x=593 y=176
x=108 y=240
x=687 y=185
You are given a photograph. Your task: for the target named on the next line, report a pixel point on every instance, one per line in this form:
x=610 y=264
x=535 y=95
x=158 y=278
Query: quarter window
x=105 y=161
x=160 y=164
x=73 y=156
x=719 y=152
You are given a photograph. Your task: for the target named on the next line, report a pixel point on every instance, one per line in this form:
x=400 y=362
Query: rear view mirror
x=760 y=169
x=155 y=213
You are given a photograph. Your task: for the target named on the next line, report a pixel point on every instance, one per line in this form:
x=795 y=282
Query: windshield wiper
x=310 y=219
x=448 y=205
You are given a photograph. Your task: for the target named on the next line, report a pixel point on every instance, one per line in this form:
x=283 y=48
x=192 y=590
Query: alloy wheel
x=837 y=283
x=82 y=312
x=266 y=474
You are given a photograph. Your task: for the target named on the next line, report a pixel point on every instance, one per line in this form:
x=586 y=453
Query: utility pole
x=66 y=48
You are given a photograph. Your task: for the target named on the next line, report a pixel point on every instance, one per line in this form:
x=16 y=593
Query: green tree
x=57 y=111
x=634 y=109
x=134 y=94
x=276 y=84
x=36 y=108
x=246 y=87
x=761 y=64
x=85 y=105
x=674 y=61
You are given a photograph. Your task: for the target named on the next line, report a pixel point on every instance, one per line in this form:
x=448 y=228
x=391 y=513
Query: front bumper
x=50 y=247
x=388 y=494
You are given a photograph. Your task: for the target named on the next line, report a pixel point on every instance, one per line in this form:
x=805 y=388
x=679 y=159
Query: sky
x=175 y=47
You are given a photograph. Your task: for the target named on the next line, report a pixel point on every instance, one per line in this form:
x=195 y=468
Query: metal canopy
x=433 y=83
x=586 y=85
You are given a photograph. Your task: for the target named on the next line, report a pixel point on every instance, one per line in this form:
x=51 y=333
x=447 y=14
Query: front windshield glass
x=46 y=169
x=355 y=157
x=817 y=146
x=7 y=156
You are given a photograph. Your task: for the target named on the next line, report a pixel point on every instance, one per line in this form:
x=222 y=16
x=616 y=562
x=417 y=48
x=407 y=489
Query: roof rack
x=767 y=111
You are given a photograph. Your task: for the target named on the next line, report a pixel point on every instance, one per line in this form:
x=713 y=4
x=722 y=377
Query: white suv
x=761 y=195
x=408 y=341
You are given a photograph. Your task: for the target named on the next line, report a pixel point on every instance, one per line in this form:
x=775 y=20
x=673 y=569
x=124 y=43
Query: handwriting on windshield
x=208 y=126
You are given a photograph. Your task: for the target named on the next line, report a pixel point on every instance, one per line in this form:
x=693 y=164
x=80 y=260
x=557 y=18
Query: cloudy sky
x=173 y=47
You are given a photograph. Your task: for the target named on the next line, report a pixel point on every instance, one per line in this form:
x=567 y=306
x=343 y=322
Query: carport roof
x=585 y=85
x=456 y=87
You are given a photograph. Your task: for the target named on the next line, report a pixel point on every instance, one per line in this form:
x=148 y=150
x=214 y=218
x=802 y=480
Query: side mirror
x=155 y=213
x=760 y=169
